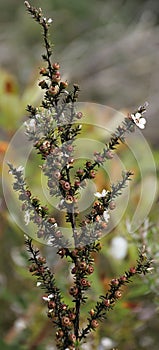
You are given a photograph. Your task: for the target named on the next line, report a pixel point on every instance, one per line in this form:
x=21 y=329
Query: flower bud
x=64 y=307
x=77 y=183
x=92 y=174
x=66 y=185
x=79 y=115
x=112 y=205
x=118 y=294
x=103 y=225
x=74 y=270
x=56 y=77
x=72 y=316
x=114 y=282
x=83 y=265
x=43 y=71
x=80 y=172
x=56 y=66
x=72 y=337
x=41 y=259
x=63 y=85
x=92 y=312
x=51 y=304
x=123 y=278
x=83 y=282
x=106 y=302
x=59 y=333
x=90 y=269
x=28 y=193
x=62 y=252
x=73 y=291
x=52 y=221
x=109 y=155
x=32 y=267
x=53 y=90
x=94 y=324
x=40 y=233
x=57 y=174
x=69 y=199
x=66 y=321
x=132 y=270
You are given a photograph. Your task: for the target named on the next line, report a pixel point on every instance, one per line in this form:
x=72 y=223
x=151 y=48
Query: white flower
x=27 y=217
x=102 y=194
x=49 y=20
x=20 y=168
x=30 y=126
x=106 y=216
x=45 y=298
x=51 y=296
x=38 y=284
x=119 y=247
x=139 y=120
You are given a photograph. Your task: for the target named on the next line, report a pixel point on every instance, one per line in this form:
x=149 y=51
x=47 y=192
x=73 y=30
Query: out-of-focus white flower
x=20 y=324
x=139 y=120
x=119 y=247
x=106 y=344
x=27 y=217
x=106 y=216
x=102 y=194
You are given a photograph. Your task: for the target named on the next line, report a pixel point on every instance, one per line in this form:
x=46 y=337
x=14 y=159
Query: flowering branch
x=114 y=293
x=53 y=128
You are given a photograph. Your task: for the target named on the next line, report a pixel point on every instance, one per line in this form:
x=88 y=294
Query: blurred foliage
x=109 y=47
x=113 y=34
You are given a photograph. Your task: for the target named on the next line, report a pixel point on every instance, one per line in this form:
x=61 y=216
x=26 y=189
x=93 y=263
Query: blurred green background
x=111 y=49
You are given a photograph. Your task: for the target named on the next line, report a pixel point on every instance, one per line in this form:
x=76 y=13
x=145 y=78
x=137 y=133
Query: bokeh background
x=111 y=48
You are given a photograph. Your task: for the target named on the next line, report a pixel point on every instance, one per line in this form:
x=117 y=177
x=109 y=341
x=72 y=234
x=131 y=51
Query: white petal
x=98 y=195
x=119 y=247
x=20 y=168
x=27 y=217
x=137 y=115
x=51 y=296
x=106 y=216
x=142 y=120
x=133 y=116
x=104 y=192
x=45 y=298
x=49 y=20
x=142 y=123
x=38 y=284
